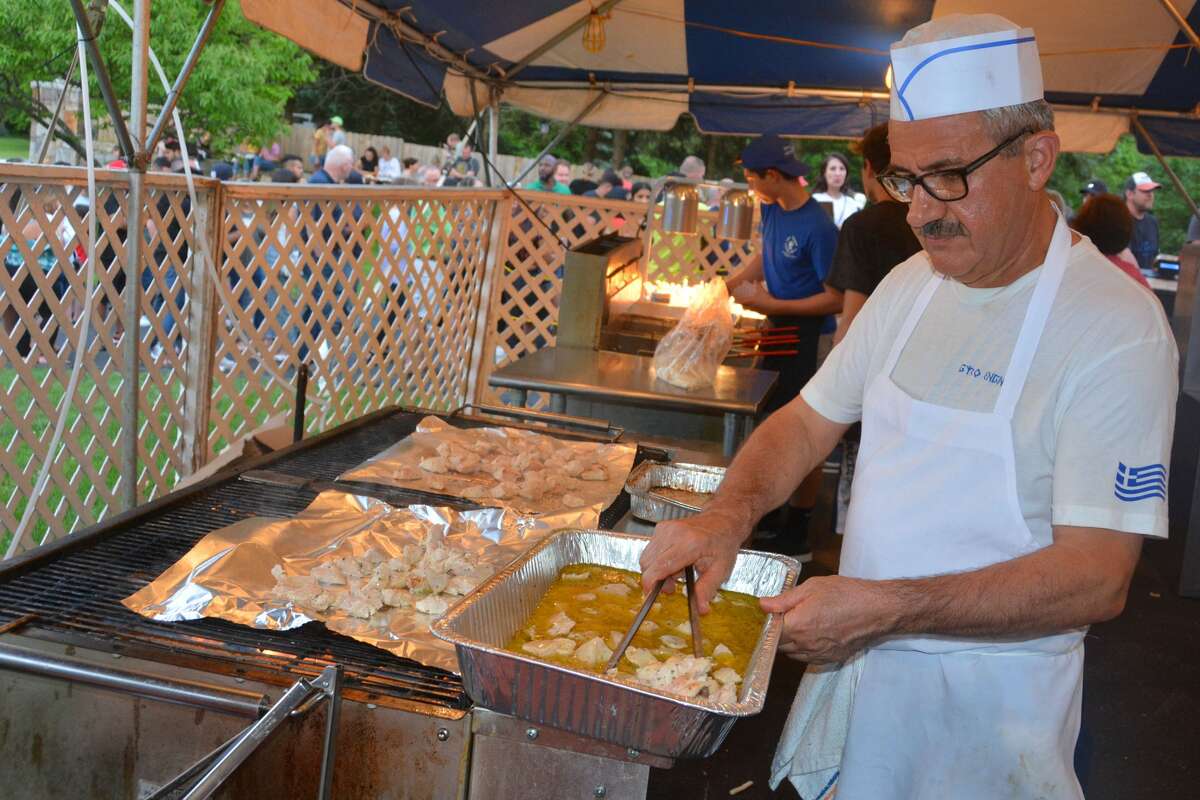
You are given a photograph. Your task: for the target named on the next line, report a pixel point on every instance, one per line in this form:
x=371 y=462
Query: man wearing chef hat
x=1017 y=403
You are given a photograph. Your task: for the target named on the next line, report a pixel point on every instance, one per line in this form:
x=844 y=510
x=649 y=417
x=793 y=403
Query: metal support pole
x=106 y=87
x=493 y=144
x=301 y=399
x=559 y=136
x=1182 y=22
x=133 y=243
x=164 y=116
x=1179 y=187
x=58 y=108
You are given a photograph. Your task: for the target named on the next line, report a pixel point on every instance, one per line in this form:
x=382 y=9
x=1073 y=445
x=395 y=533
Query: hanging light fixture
x=737 y=215
x=681 y=209
x=593 y=31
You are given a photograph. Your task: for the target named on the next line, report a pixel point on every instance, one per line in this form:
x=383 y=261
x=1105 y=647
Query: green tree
x=239 y=89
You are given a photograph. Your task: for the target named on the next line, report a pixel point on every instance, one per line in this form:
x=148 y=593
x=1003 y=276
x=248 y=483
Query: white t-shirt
x=843 y=206
x=1100 y=394
x=389 y=168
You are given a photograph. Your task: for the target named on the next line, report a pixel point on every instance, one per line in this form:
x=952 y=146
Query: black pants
x=794 y=371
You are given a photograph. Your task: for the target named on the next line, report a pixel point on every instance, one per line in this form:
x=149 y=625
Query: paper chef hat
x=964 y=62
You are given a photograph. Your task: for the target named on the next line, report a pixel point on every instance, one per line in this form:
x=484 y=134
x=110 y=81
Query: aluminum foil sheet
x=394 y=465
x=227 y=574
x=645 y=504
x=614 y=709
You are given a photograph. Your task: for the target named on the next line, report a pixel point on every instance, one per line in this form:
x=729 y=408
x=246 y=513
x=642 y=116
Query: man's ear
x=1041 y=154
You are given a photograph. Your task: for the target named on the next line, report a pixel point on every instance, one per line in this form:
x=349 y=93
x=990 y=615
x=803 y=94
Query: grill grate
x=76 y=596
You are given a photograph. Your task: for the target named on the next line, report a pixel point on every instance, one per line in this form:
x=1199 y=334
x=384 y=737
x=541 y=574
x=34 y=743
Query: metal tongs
x=689 y=575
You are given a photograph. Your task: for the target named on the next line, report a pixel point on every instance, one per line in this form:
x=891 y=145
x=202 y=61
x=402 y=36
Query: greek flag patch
x=1140 y=483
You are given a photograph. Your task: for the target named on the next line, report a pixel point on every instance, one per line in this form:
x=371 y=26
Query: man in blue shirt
x=785 y=281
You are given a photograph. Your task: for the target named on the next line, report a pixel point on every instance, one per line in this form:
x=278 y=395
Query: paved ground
x=1141 y=713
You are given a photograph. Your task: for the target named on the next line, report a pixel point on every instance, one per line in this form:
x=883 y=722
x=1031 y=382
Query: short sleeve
x=849 y=260
x=836 y=390
x=1113 y=443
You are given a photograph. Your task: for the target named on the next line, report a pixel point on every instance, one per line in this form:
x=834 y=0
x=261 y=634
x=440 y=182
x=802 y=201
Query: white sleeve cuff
x=1142 y=523
x=827 y=408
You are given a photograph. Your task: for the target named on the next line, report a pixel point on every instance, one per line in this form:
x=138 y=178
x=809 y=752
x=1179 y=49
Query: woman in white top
x=389 y=165
x=833 y=187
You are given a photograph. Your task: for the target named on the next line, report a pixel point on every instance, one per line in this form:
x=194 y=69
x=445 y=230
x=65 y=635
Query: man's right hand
x=709 y=540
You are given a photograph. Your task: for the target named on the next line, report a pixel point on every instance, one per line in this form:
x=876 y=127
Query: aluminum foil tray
x=611 y=709
x=651 y=507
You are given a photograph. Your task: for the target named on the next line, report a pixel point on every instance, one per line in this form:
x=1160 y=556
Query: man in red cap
x=1139 y=198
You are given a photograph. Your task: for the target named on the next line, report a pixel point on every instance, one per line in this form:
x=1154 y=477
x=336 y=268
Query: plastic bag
x=689 y=355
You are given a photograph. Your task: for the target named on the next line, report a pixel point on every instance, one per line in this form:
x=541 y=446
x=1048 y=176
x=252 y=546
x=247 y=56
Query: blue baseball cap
x=773 y=152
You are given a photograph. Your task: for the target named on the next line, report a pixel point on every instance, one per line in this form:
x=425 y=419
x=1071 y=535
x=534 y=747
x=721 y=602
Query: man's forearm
x=769 y=466
x=753 y=271
x=817 y=305
x=1074 y=582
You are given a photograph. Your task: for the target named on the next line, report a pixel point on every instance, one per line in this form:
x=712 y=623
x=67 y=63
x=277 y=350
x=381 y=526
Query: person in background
x=870 y=244
x=389 y=165
x=283 y=175
x=562 y=174
x=161 y=164
x=293 y=164
x=1139 y=199
x=785 y=281
x=640 y=192
x=466 y=164
x=833 y=187
x=450 y=149
x=338 y=168
x=265 y=160
x=1105 y=220
x=692 y=167
x=431 y=177
x=609 y=186
x=412 y=169
x=116 y=159
x=626 y=174
x=337 y=132
x=368 y=162
x=321 y=137
x=587 y=180
x=1093 y=187
x=546 y=181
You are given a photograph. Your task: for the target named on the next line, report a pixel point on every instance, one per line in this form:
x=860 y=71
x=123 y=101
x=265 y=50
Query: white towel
x=810 y=749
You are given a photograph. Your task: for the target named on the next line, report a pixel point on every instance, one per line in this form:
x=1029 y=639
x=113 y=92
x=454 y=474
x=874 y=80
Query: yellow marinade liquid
x=584 y=593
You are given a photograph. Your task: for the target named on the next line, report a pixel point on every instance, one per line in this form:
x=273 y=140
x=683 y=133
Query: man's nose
x=924 y=208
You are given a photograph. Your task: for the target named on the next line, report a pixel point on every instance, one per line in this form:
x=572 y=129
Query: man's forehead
x=936 y=143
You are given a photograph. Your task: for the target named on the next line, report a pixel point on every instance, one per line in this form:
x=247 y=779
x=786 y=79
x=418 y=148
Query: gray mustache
x=942 y=229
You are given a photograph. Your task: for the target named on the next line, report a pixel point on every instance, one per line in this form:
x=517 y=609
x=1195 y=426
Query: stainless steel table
x=738 y=393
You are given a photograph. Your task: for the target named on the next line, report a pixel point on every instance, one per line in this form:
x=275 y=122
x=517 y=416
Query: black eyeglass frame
x=962 y=172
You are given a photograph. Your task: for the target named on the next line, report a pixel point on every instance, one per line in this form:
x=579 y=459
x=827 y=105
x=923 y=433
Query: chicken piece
x=464 y=461
x=349 y=566
x=673 y=642
x=578 y=636
x=727 y=675
x=412 y=555
x=649 y=626
x=444 y=449
x=549 y=647
x=436 y=465
x=299 y=589
x=361 y=604
x=683 y=675
x=573 y=500
x=614 y=639
x=406 y=472
x=574 y=468
x=727 y=694
x=630 y=581
x=526 y=461
x=591 y=612
x=721 y=651
x=503 y=490
x=459 y=563
x=475 y=492
x=560 y=623
x=532 y=488
x=437 y=581
x=617 y=589
x=685 y=628
x=657 y=607
x=596 y=473
x=639 y=657
x=436 y=484
x=433 y=604
x=585 y=597
x=328 y=574
x=593 y=651
x=717 y=598
x=372 y=557
x=577 y=576
x=400 y=598
x=460 y=585
x=504 y=473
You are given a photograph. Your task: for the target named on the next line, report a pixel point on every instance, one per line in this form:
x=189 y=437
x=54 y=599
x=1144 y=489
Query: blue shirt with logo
x=797 y=251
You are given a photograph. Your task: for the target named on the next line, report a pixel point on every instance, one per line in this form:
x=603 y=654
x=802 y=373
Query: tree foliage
x=239 y=89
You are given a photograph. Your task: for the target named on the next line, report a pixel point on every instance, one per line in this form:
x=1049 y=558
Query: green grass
x=14 y=147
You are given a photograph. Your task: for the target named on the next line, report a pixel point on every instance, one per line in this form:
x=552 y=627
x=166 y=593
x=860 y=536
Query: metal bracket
x=205 y=777
x=565 y=421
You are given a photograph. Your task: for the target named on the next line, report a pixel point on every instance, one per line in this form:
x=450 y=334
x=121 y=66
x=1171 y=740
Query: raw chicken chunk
x=433 y=604
x=585 y=597
x=639 y=657
x=549 y=647
x=577 y=576
x=593 y=651
x=437 y=465
x=593 y=474
x=475 y=492
x=329 y=575
x=618 y=589
x=573 y=500
x=460 y=585
x=727 y=675
x=721 y=651
x=684 y=675
x=673 y=642
x=560 y=623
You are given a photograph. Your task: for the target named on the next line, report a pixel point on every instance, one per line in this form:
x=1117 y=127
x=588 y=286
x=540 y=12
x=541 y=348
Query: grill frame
x=70 y=591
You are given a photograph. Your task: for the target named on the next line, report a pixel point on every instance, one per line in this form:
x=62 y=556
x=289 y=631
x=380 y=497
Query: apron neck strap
x=910 y=322
x=1036 y=315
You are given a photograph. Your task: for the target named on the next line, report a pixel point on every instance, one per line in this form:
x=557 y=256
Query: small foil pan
x=646 y=505
x=611 y=709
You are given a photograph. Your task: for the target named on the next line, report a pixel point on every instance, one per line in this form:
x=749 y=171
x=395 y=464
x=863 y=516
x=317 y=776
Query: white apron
x=942 y=717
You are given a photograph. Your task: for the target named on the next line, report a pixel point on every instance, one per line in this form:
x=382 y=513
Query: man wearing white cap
x=1139 y=199
x=1017 y=401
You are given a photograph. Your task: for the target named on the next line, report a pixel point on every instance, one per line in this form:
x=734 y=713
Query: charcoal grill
x=405 y=730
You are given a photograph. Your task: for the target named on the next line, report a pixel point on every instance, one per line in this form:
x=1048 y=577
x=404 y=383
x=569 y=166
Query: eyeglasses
x=944 y=184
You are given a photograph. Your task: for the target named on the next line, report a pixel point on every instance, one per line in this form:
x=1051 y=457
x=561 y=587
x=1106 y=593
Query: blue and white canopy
x=804 y=69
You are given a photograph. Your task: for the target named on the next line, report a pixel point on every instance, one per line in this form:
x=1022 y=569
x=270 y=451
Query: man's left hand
x=754 y=296
x=829 y=619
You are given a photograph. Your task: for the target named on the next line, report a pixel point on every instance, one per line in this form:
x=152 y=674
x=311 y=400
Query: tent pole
x=133 y=243
x=559 y=137
x=185 y=72
x=494 y=137
x=1179 y=187
x=58 y=108
x=554 y=40
x=1182 y=22
x=101 y=73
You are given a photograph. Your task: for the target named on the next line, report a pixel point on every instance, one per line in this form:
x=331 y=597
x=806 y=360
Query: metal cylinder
x=737 y=215
x=681 y=209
